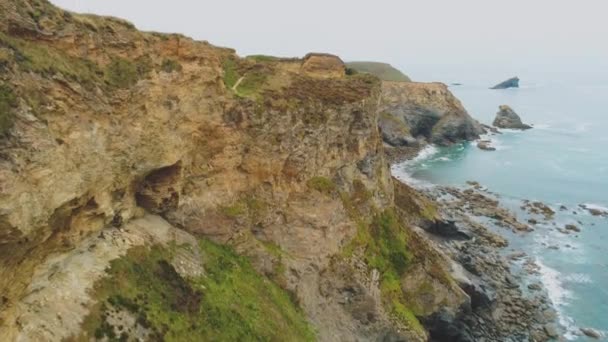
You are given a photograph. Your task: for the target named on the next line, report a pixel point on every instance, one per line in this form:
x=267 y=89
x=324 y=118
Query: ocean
x=562 y=161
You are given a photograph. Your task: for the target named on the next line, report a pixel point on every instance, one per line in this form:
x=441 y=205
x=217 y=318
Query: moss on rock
x=7 y=103
x=321 y=184
x=170 y=65
x=231 y=302
x=121 y=73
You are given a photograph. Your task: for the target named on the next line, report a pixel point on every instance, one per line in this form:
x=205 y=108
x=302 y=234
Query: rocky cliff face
x=507 y=118
x=126 y=157
x=429 y=111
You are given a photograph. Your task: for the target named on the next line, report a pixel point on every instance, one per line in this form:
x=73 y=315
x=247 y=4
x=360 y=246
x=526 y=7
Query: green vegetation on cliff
x=121 y=73
x=383 y=243
x=47 y=61
x=321 y=184
x=230 y=302
x=383 y=71
x=170 y=65
x=7 y=102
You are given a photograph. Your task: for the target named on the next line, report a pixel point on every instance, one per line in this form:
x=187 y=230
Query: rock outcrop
x=135 y=150
x=486 y=145
x=507 y=118
x=323 y=65
x=510 y=83
x=430 y=111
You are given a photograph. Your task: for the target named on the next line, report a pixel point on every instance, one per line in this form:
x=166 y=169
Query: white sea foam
x=405 y=177
x=403 y=171
x=578 y=278
x=494 y=141
x=543 y=126
x=595 y=206
x=424 y=154
x=559 y=296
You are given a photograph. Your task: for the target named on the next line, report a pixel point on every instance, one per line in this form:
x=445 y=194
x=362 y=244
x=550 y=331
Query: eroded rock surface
x=430 y=111
x=281 y=160
x=507 y=118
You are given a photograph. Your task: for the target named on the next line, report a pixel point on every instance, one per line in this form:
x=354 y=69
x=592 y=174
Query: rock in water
x=591 y=333
x=510 y=83
x=507 y=118
x=486 y=145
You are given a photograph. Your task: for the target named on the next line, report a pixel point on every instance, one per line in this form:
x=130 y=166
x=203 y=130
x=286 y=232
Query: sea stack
x=507 y=118
x=510 y=83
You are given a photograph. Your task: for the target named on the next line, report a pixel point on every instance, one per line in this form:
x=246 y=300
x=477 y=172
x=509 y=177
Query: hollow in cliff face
x=159 y=190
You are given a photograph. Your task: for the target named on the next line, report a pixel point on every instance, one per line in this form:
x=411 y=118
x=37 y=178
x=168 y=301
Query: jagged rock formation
x=383 y=71
x=507 y=118
x=429 y=111
x=114 y=139
x=510 y=83
x=323 y=65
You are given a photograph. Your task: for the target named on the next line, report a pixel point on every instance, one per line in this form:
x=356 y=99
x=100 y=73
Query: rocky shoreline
x=504 y=309
x=508 y=301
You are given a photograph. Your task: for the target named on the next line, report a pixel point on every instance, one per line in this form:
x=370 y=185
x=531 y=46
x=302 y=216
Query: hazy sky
x=423 y=37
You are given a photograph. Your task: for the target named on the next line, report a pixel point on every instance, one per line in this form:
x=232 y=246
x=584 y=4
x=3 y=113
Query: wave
x=403 y=171
x=424 y=154
x=543 y=126
x=578 y=278
x=494 y=142
x=595 y=206
x=559 y=296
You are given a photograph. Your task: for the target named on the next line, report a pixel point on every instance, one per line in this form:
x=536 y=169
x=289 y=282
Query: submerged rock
x=573 y=228
x=485 y=145
x=510 y=83
x=507 y=118
x=591 y=333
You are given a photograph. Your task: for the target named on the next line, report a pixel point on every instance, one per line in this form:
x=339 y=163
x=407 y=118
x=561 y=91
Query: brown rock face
x=111 y=124
x=323 y=65
x=430 y=111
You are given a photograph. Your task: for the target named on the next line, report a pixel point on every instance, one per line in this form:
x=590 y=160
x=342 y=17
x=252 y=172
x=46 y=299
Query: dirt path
x=236 y=85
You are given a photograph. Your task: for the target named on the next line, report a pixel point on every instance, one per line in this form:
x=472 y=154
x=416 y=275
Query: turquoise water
x=562 y=161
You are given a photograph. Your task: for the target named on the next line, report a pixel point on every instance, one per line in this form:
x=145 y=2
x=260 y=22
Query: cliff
x=149 y=182
x=429 y=111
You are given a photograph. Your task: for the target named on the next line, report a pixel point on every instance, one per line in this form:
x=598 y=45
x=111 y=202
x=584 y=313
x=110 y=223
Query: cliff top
x=384 y=71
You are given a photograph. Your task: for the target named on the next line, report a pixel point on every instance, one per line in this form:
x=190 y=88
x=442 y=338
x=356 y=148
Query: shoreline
x=507 y=305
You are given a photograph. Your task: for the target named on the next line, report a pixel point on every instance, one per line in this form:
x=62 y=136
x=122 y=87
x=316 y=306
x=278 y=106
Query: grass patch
x=45 y=60
x=235 y=210
x=383 y=242
x=231 y=73
x=170 y=65
x=383 y=71
x=8 y=102
x=121 y=73
x=248 y=206
x=263 y=58
x=230 y=303
x=252 y=83
x=321 y=184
